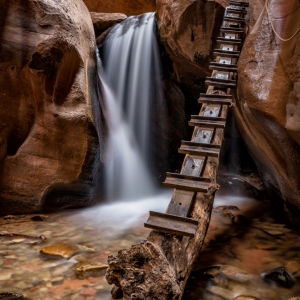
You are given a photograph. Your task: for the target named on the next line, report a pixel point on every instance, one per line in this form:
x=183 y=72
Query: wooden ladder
x=208 y=132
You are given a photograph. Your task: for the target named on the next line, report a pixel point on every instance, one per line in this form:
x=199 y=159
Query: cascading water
x=131 y=64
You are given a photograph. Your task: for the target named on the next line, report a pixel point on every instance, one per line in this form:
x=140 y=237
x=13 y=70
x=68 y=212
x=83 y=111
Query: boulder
x=130 y=8
x=187 y=30
x=268 y=100
x=103 y=21
x=279 y=276
x=48 y=139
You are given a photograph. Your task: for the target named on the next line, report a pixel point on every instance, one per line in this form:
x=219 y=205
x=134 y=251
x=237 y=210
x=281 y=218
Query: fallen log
x=159 y=267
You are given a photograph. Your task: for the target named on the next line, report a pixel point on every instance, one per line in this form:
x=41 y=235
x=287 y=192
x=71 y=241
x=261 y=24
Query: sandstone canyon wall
x=127 y=7
x=188 y=31
x=268 y=100
x=47 y=81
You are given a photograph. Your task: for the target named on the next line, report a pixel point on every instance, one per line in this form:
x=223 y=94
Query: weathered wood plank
x=172 y=224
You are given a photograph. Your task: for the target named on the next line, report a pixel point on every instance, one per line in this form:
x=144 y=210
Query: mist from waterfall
x=128 y=77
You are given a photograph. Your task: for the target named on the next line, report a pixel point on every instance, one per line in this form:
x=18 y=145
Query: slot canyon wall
x=268 y=101
x=48 y=140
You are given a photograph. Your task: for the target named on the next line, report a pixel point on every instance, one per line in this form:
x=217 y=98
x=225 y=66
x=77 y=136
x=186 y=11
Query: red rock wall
x=127 y=7
x=268 y=106
x=47 y=61
x=187 y=29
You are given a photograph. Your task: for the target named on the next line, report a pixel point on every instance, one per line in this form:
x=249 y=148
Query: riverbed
x=242 y=243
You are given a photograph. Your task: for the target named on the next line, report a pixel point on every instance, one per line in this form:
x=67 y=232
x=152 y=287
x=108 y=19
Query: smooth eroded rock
x=128 y=7
x=48 y=140
x=103 y=21
x=64 y=251
x=187 y=30
x=268 y=100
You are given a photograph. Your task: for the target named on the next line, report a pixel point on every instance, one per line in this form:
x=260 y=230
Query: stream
x=259 y=244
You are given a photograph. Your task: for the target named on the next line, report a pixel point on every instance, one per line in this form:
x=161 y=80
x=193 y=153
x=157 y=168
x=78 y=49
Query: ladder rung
x=215 y=101
x=208 y=118
x=234 y=19
x=207 y=124
x=236 y=11
x=220 y=82
x=190 y=143
x=232 y=30
x=215 y=96
x=239 y=3
x=226 y=53
x=194 y=149
x=223 y=67
x=222 y=40
x=171 y=224
x=188 y=183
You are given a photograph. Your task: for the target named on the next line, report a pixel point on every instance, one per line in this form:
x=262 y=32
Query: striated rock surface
x=130 y=8
x=268 y=106
x=48 y=140
x=187 y=30
x=103 y=21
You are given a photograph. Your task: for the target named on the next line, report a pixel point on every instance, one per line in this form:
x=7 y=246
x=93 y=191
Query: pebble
x=292 y=266
x=5 y=276
x=84 y=267
x=266 y=246
x=225 y=207
x=64 y=251
x=18 y=240
x=275 y=232
x=234 y=273
x=245 y=297
x=218 y=291
x=57 y=280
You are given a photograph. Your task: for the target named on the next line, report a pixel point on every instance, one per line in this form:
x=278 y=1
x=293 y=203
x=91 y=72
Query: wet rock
x=9 y=217
x=275 y=232
x=292 y=266
x=116 y=293
x=241 y=220
x=103 y=21
x=245 y=297
x=11 y=296
x=225 y=208
x=266 y=246
x=57 y=281
x=227 y=214
x=4 y=275
x=279 y=276
x=234 y=273
x=85 y=267
x=64 y=251
x=218 y=291
x=39 y=218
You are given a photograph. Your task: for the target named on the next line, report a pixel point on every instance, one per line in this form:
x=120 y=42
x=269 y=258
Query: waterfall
x=128 y=85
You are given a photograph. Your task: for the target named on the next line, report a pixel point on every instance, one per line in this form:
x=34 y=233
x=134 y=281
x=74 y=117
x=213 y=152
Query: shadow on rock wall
x=48 y=139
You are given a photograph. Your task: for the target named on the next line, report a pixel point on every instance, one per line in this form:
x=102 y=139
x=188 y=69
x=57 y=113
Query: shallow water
x=110 y=227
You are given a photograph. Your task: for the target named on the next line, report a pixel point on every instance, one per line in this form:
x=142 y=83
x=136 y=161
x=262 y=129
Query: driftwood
x=19 y=235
